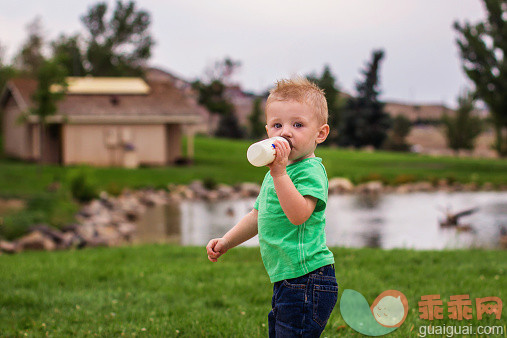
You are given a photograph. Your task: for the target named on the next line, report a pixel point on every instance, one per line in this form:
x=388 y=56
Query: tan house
x=102 y=122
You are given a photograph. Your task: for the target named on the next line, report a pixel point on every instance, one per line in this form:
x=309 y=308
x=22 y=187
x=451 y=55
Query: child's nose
x=286 y=132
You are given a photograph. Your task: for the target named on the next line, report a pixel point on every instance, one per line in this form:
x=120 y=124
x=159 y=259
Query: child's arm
x=296 y=207
x=241 y=232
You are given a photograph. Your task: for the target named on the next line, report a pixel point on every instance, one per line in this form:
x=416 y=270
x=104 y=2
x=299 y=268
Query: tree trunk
x=501 y=140
x=41 y=149
x=41 y=142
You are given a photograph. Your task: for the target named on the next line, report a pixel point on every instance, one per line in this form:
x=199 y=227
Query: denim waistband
x=325 y=268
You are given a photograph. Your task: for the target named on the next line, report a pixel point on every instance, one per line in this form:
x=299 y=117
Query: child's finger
x=211 y=245
x=278 y=150
x=208 y=248
x=282 y=148
x=278 y=144
x=286 y=149
x=218 y=247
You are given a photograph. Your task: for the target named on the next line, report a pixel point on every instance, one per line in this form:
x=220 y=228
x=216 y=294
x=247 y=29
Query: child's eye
x=298 y=125
x=277 y=125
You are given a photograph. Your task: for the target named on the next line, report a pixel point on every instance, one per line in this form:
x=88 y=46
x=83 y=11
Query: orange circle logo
x=390 y=308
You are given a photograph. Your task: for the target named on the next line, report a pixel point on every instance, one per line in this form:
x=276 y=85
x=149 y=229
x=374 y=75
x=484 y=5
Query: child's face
x=299 y=123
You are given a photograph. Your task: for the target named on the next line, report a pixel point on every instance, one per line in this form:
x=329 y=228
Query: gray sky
x=281 y=38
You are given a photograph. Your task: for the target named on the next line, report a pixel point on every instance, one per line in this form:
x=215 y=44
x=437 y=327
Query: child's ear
x=266 y=126
x=323 y=133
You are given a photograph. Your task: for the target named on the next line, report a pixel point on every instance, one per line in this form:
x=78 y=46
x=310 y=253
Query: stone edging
x=110 y=221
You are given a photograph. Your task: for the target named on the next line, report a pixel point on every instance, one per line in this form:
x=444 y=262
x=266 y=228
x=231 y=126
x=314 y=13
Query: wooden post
x=190 y=142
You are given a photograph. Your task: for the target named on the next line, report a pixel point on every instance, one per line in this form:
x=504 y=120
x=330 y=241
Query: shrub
x=54 y=209
x=451 y=179
x=209 y=183
x=41 y=202
x=114 y=189
x=433 y=180
x=17 y=225
x=63 y=212
x=404 y=178
x=82 y=188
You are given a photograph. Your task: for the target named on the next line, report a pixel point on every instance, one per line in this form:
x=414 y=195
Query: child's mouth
x=289 y=141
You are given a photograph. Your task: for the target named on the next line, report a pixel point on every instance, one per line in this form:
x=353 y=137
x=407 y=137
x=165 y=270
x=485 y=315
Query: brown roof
x=22 y=90
x=164 y=99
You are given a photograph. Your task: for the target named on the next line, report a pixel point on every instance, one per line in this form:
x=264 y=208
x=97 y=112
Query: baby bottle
x=263 y=152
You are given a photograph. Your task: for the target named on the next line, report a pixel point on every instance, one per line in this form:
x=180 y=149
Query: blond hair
x=301 y=90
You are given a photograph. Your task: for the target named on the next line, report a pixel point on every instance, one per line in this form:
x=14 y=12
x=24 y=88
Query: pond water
x=385 y=221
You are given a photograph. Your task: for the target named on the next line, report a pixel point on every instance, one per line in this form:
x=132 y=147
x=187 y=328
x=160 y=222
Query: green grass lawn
x=224 y=161
x=160 y=290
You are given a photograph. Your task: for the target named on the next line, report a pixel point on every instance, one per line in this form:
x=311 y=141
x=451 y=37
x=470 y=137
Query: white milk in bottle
x=263 y=152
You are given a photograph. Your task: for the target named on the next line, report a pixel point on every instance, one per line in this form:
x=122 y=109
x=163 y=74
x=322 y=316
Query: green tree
x=327 y=82
x=6 y=71
x=483 y=48
x=30 y=57
x=67 y=51
x=51 y=85
x=228 y=126
x=120 y=45
x=462 y=129
x=396 y=139
x=212 y=95
x=364 y=120
x=257 y=126
x=222 y=70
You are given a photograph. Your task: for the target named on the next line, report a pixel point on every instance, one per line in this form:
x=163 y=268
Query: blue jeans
x=301 y=306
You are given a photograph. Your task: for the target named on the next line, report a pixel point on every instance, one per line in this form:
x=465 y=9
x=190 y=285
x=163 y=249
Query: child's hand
x=277 y=167
x=216 y=248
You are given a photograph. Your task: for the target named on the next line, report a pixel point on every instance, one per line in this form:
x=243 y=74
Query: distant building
x=104 y=121
x=415 y=113
x=424 y=112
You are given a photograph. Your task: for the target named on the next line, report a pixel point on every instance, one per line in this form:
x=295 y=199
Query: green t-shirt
x=288 y=250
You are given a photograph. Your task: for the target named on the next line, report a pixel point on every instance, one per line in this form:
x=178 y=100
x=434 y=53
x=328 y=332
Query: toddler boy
x=288 y=214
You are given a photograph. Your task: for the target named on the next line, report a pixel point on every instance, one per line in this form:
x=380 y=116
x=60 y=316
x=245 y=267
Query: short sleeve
x=312 y=181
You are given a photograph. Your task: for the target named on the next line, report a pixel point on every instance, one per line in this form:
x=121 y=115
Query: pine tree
x=257 y=126
x=228 y=126
x=327 y=82
x=483 y=48
x=364 y=120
